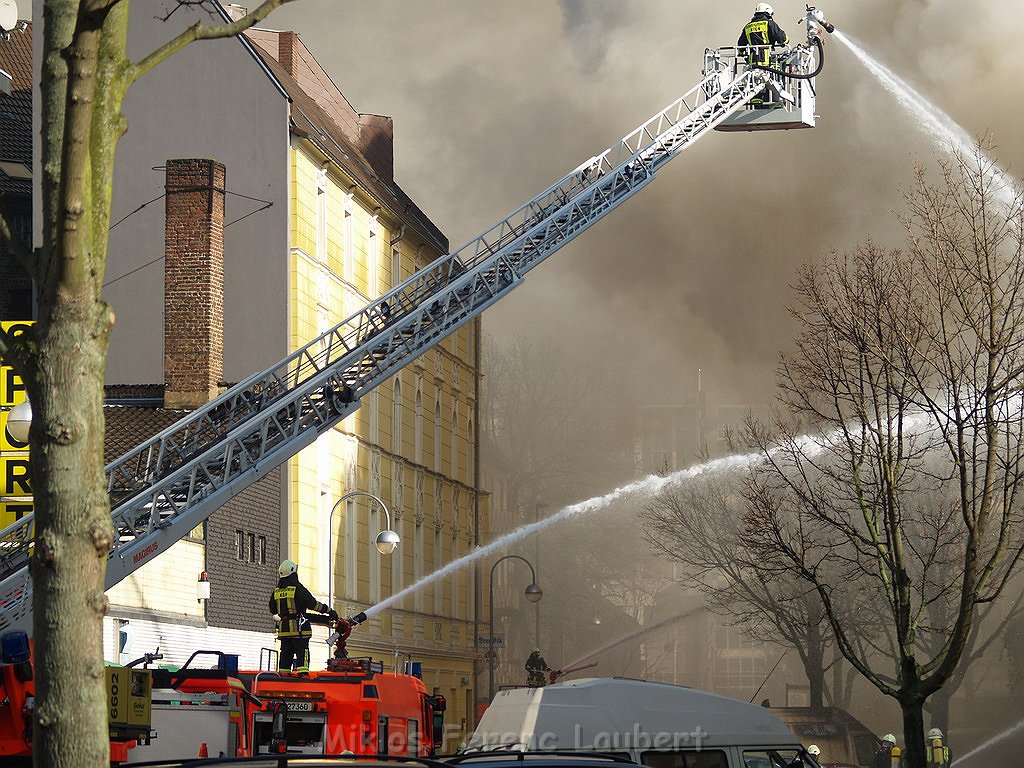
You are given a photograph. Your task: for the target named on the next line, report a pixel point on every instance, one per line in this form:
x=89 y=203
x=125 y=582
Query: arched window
x=396 y=419
x=454 y=471
x=437 y=435
x=418 y=444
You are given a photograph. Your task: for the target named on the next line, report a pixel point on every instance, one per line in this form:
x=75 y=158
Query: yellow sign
x=12 y=389
x=14 y=480
x=129 y=698
x=13 y=510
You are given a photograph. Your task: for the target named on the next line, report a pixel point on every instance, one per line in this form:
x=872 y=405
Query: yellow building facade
x=412 y=443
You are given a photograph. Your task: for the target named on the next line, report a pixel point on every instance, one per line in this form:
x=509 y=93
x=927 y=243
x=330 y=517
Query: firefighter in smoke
x=883 y=755
x=536 y=670
x=761 y=30
x=290 y=602
x=936 y=753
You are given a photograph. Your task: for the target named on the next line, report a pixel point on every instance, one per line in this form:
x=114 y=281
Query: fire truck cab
x=353 y=707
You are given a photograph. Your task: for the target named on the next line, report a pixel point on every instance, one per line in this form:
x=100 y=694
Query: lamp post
x=386 y=540
x=533 y=593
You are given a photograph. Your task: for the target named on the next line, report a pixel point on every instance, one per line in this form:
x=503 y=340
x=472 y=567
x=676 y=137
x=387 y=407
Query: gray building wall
x=211 y=100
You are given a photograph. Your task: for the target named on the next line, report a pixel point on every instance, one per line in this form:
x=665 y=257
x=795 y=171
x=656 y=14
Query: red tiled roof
x=128 y=426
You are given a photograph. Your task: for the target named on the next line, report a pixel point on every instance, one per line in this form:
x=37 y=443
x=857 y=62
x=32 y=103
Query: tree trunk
x=913 y=733
x=73 y=534
x=938 y=706
x=814 y=668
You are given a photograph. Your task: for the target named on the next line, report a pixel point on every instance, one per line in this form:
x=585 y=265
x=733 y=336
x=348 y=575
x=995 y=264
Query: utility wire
x=266 y=204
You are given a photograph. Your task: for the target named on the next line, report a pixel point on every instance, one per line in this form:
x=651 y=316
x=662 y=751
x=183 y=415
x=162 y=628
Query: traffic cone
x=203 y=751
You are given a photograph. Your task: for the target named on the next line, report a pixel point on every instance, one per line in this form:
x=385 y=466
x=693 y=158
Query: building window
x=321 y=216
x=437 y=435
x=349 y=250
x=373 y=255
x=469 y=450
x=351 y=551
x=457 y=576
x=418 y=553
x=438 y=560
x=418 y=565
x=418 y=446
x=396 y=419
x=374 y=417
x=454 y=470
x=398 y=510
x=396 y=265
x=250 y=547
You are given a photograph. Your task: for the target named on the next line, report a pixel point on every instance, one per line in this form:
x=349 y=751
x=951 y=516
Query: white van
x=657 y=724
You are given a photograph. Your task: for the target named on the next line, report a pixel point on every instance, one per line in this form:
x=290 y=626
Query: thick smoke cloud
x=492 y=101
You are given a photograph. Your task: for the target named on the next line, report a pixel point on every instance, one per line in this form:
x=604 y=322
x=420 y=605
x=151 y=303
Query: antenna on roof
x=9 y=19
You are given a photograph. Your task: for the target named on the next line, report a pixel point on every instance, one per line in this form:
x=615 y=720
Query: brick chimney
x=193 y=282
x=287 y=53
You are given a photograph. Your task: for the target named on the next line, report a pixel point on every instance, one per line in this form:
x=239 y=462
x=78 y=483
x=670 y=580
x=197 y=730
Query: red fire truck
x=354 y=706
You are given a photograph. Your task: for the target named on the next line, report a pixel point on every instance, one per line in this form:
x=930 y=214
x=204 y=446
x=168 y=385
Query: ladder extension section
x=170 y=484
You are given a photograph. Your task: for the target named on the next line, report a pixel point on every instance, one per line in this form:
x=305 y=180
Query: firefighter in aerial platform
x=761 y=30
x=290 y=603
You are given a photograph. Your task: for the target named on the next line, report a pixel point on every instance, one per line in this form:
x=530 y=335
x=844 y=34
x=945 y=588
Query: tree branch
x=200 y=31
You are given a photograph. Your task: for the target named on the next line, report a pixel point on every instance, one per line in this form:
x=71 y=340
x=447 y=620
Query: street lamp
x=19 y=419
x=386 y=540
x=533 y=593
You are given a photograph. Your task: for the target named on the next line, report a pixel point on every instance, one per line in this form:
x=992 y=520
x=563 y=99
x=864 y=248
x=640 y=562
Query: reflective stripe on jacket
x=761 y=30
x=290 y=601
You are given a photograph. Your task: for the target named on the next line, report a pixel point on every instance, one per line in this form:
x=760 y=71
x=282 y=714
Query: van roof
x=617 y=713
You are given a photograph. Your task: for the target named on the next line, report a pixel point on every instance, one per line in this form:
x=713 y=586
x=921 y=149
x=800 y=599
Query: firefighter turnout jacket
x=290 y=601
x=761 y=30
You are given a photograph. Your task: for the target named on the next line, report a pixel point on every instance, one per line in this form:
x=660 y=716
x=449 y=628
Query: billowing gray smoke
x=492 y=101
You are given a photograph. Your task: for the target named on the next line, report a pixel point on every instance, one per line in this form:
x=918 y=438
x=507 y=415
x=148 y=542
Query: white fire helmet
x=813 y=750
x=764 y=8
x=288 y=567
x=935 y=733
x=889 y=738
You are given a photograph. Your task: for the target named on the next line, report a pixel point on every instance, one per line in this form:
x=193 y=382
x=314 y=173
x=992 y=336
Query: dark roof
x=129 y=426
x=312 y=122
x=16 y=110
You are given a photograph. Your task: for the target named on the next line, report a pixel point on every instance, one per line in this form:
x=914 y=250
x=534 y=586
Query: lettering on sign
x=143 y=553
x=10 y=511
x=12 y=388
x=14 y=478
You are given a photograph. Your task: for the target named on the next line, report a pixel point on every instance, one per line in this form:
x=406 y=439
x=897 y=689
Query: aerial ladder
x=171 y=483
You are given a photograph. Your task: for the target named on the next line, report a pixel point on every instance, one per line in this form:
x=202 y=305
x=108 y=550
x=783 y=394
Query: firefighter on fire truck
x=290 y=603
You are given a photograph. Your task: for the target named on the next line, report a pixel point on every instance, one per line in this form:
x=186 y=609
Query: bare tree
x=86 y=73
x=909 y=362
x=700 y=528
